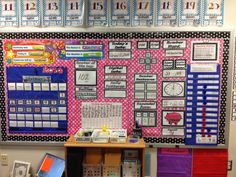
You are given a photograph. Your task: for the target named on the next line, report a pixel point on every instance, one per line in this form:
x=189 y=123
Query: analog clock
x=173 y=89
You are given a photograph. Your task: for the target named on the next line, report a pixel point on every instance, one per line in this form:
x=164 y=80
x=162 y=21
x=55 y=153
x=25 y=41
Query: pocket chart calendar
x=175 y=84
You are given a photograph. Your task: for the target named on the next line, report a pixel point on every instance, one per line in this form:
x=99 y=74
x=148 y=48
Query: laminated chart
x=174 y=84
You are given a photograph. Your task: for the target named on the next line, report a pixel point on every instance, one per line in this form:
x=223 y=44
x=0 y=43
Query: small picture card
x=8 y=13
x=74 y=10
x=190 y=12
x=30 y=13
x=167 y=12
x=52 y=13
x=143 y=13
x=97 y=13
x=173 y=118
x=213 y=12
x=120 y=13
x=20 y=168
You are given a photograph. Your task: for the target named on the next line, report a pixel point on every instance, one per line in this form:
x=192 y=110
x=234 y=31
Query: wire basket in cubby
x=92 y=170
x=131 y=170
x=111 y=170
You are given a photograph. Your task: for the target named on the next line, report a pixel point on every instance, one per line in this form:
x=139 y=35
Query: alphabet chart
x=8 y=13
x=174 y=84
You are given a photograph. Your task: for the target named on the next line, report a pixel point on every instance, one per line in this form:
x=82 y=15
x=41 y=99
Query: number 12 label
x=30 y=12
x=52 y=13
x=8 y=13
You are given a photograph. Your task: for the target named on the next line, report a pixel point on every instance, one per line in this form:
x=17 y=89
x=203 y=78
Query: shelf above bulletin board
x=179 y=94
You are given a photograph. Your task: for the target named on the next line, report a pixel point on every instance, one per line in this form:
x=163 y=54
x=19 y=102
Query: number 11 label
x=52 y=13
x=8 y=13
x=30 y=12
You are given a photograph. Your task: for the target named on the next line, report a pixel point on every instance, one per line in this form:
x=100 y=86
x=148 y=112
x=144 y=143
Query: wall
x=34 y=154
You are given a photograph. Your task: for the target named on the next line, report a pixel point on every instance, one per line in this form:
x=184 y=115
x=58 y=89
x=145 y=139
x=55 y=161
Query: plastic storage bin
x=92 y=170
x=118 y=136
x=111 y=170
x=131 y=170
x=100 y=137
x=80 y=135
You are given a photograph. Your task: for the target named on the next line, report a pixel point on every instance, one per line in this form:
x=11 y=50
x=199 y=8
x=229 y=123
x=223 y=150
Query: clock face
x=173 y=89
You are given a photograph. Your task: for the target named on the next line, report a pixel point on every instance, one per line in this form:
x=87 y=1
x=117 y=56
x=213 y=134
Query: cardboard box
x=112 y=157
x=93 y=156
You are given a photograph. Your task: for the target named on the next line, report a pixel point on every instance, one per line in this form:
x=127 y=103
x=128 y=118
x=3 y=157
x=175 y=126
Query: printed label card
x=167 y=12
x=213 y=12
x=52 y=13
x=97 y=13
x=8 y=13
x=74 y=10
x=190 y=11
x=30 y=13
x=120 y=13
x=143 y=13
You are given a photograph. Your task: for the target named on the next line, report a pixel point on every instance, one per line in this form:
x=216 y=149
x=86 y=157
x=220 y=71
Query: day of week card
x=52 y=13
x=143 y=13
x=167 y=12
x=30 y=13
x=74 y=10
x=120 y=12
x=190 y=11
x=8 y=13
x=213 y=12
x=97 y=13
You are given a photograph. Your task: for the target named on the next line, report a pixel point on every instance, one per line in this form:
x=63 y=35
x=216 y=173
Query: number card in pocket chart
x=167 y=12
x=97 y=13
x=190 y=12
x=143 y=13
x=30 y=13
x=213 y=12
x=120 y=13
x=52 y=13
x=8 y=13
x=74 y=10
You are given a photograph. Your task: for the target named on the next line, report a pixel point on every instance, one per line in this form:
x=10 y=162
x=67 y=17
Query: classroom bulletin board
x=175 y=84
